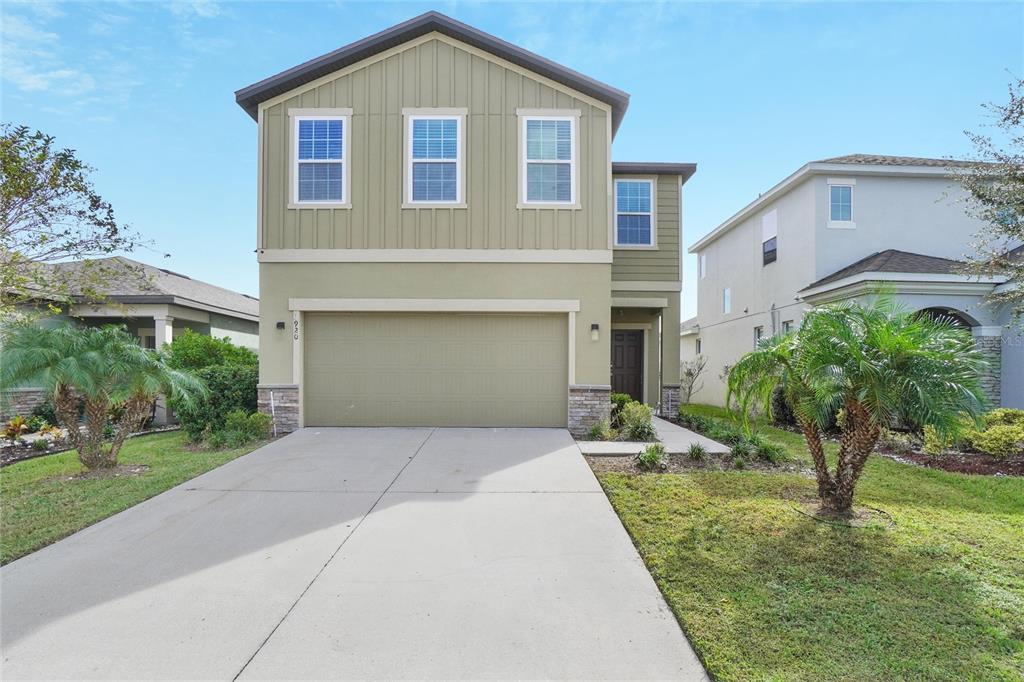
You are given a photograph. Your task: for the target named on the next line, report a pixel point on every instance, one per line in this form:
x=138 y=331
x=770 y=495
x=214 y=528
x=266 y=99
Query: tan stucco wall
x=589 y=283
x=436 y=71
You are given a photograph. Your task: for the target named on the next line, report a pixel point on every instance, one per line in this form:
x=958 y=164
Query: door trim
x=646 y=328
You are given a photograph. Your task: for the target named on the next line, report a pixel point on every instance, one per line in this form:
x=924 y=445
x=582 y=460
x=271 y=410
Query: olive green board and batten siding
x=437 y=72
x=661 y=263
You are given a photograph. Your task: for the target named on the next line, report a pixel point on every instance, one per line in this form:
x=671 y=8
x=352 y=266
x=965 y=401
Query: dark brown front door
x=628 y=363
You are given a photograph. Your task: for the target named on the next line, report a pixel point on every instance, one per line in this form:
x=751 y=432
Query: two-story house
x=840 y=229
x=443 y=239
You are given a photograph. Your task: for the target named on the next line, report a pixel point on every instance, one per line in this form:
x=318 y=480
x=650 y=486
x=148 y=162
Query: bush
x=40 y=444
x=636 y=421
x=230 y=388
x=742 y=450
x=15 y=428
x=739 y=463
x=619 y=401
x=768 y=450
x=36 y=423
x=782 y=413
x=697 y=452
x=195 y=351
x=652 y=458
x=897 y=441
x=1004 y=415
x=933 y=444
x=999 y=440
x=240 y=428
x=601 y=431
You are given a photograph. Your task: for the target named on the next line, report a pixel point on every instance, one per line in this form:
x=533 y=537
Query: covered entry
x=435 y=369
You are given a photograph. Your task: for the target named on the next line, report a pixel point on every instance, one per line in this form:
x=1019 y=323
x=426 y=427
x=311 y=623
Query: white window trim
x=653 y=184
x=840 y=224
x=296 y=115
x=459 y=115
x=573 y=116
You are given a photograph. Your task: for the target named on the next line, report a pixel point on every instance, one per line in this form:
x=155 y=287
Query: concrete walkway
x=354 y=553
x=675 y=438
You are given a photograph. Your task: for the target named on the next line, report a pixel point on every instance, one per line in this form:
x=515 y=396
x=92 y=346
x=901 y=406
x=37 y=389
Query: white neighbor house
x=837 y=229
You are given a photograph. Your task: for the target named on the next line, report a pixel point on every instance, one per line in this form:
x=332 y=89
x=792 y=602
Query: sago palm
x=878 y=363
x=105 y=368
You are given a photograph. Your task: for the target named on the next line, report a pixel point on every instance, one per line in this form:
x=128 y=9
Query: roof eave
x=685 y=170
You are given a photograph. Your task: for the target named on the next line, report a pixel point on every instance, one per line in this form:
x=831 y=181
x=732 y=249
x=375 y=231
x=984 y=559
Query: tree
x=876 y=362
x=50 y=212
x=689 y=377
x=995 y=188
x=103 y=367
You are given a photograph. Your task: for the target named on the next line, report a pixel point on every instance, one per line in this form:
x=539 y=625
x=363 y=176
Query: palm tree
x=103 y=367
x=878 y=363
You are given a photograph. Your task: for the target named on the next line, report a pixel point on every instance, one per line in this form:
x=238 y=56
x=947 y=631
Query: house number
x=295 y=329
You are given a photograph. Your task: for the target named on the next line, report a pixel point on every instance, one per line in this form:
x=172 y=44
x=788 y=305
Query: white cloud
x=206 y=9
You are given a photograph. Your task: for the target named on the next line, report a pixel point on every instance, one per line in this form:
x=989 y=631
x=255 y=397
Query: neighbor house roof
x=860 y=164
x=653 y=168
x=250 y=97
x=892 y=260
x=129 y=281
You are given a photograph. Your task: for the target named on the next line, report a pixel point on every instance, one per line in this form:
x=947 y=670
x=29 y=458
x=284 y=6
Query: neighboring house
x=839 y=229
x=444 y=240
x=155 y=305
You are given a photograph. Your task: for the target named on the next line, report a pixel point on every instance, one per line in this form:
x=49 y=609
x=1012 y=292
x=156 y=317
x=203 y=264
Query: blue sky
x=750 y=92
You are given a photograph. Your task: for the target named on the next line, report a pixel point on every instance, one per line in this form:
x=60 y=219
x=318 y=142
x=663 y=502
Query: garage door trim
x=432 y=305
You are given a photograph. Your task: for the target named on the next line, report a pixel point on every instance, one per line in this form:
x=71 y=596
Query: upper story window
x=549 y=160
x=703 y=265
x=697 y=348
x=434 y=159
x=726 y=301
x=758 y=335
x=787 y=326
x=634 y=217
x=320 y=161
x=769 y=237
x=840 y=201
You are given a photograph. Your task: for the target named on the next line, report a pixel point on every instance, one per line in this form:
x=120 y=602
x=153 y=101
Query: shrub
x=40 y=444
x=742 y=450
x=230 y=387
x=694 y=421
x=36 y=423
x=782 y=413
x=601 y=431
x=636 y=421
x=739 y=463
x=933 y=444
x=768 y=450
x=45 y=411
x=652 y=458
x=1004 y=415
x=619 y=401
x=194 y=351
x=697 y=452
x=999 y=440
x=240 y=428
x=15 y=428
x=897 y=441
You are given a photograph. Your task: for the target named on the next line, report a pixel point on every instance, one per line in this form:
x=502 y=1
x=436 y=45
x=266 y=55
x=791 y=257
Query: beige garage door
x=435 y=369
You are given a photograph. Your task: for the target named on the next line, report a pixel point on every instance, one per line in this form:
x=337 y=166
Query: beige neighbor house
x=839 y=229
x=444 y=239
x=155 y=305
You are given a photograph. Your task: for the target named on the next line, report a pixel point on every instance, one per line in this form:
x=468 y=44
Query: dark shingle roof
x=249 y=97
x=892 y=260
x=129 y=281
x=882 y=160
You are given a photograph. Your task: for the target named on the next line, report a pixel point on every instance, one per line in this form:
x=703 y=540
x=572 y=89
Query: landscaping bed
x=931 y=588
x=674 y=464
x=48 y=498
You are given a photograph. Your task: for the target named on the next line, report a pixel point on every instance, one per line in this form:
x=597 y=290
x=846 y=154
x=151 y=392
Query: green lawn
x=765 y=593
x=39 y=506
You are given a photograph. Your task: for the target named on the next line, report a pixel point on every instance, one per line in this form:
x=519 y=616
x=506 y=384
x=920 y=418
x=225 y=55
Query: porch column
x=163 y=330
x=670 y=318
x=989 y=340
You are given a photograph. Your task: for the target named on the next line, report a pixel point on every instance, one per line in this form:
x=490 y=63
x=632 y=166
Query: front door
x=628 y=363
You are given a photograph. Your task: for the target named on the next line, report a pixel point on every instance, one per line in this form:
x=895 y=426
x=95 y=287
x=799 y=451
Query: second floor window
x=549 y=160
x=633 y=215
x=769 y=237
x=703 y=265
x=434 y=159
x=758 y=335
x=840 y=203
x=726 y=301
x=787 y=326
x=698 y=347
x=319 y=173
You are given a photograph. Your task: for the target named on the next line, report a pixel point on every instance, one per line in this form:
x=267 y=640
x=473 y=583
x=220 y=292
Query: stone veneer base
x=19 y=402
x=588 y=405
x=285 y=409
x=991 y=377
x=669 y=401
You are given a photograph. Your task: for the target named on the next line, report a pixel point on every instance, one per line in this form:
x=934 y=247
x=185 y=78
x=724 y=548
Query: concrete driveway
x=354 y=553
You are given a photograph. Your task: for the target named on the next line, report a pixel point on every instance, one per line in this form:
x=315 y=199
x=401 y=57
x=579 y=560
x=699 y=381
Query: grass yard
x=39 y=506
x=765 y=593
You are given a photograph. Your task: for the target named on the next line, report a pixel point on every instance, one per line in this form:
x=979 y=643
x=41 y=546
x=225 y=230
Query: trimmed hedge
x=230 y=388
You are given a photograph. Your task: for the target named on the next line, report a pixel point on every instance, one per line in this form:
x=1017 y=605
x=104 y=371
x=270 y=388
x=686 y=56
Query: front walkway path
x=354 y=553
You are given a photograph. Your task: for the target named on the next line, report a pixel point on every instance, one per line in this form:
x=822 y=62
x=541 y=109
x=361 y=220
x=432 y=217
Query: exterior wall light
x=594 y=329
x=280 y=325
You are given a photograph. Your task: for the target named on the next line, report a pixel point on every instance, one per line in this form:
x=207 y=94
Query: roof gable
x=250 y=97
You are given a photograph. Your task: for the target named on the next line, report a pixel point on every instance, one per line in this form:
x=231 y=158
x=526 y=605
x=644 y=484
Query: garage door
x=435 y=369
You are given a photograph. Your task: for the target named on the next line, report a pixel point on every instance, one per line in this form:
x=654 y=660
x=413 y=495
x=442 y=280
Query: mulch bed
x=678 y=464
x=963 y=462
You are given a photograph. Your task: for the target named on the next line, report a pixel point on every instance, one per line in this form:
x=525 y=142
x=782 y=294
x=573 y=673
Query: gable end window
x=703 y=265
x=319 y=160
x=758 y=335
x=840 y=203
x=634 y=215
x=434 y=159
x=769 y=251
x=548 y=173
x=769 y=237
